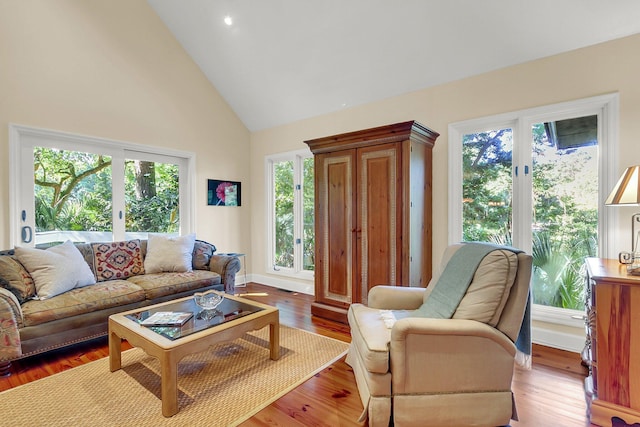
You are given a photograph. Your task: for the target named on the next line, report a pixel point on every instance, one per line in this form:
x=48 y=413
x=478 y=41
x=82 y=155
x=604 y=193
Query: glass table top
x=202 y=319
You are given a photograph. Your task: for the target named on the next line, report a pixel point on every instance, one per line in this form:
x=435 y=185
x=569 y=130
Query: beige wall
x=605 y=68
x=111 y=69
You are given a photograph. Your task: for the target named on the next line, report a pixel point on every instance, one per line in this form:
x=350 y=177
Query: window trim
x=23 y=137
x=297 y=156
x=606 y=107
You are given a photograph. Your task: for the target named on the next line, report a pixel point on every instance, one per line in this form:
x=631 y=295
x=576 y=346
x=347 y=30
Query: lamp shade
x=627 y=190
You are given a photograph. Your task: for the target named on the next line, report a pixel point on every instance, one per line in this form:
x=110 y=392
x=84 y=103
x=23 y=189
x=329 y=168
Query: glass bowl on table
x=209 y=302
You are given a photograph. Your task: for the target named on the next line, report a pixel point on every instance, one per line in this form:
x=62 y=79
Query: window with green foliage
x=83 y=189
x=537 y=179
x=291 y=198
x=284 y=214
x=564 y=217
x=73 y=192
x=565 y=213
x=487 y=185
x=152 y=195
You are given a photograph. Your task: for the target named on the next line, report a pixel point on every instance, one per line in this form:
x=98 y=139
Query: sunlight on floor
x=252 y=294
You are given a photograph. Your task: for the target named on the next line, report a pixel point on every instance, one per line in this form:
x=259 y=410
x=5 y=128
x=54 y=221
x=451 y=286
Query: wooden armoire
x=373 y=213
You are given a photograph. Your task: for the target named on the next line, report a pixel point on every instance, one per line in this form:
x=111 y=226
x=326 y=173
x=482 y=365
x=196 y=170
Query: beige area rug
x=223 y=386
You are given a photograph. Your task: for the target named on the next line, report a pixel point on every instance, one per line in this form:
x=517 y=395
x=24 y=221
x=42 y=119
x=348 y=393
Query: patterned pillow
x=117 y=260
x=202 y=252
x=19 y=282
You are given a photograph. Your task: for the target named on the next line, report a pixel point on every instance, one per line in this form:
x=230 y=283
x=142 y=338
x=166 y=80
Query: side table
x=613 y=340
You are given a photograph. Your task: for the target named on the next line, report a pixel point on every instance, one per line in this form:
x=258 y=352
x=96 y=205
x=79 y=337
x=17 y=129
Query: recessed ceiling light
x=228 y=20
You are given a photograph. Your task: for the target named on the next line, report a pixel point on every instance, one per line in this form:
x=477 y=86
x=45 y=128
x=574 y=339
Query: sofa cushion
x=370 y=336
x=56 y=269
x=117 y=260
x=173 y=254
x=17 y=279
x=158 y=285
x=82 y=300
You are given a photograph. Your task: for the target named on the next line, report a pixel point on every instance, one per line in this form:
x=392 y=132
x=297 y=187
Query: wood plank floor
x=550 y=394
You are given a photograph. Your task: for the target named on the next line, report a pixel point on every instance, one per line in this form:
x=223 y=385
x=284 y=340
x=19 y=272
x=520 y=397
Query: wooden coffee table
x=238 y=316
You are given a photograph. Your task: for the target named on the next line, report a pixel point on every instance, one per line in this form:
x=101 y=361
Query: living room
x=113 y=70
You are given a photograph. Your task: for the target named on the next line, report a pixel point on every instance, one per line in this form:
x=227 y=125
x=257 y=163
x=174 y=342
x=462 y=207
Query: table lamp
x=627 y=192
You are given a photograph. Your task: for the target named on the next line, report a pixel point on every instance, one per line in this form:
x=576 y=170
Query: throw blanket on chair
x=452 y=285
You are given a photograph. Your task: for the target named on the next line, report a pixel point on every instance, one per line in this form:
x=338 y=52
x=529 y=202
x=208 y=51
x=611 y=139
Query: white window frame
x=22 y=140
x=606 y=107
x=297 y=157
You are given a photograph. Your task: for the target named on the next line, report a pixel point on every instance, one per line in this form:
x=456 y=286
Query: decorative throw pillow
x=169 y=253
x=117 y=260
x=202 y=253
x=18 y=281
x=57 y=269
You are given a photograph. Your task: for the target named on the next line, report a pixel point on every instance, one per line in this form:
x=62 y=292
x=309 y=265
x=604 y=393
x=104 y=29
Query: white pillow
x=57 y=269
x=169 y=253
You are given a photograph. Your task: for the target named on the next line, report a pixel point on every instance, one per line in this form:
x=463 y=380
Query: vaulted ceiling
x=285 y=60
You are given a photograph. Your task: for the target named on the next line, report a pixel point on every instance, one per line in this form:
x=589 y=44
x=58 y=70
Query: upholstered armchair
x=442 y=371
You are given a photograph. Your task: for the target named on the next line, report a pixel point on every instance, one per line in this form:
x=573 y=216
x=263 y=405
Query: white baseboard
x=278 y=282
x=560 y=340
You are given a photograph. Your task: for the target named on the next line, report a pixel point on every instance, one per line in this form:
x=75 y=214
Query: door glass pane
x=487 y=186
x=72 y=192
x=308 y=220
x=152 y=198
x=565 y=209
x=284 y=217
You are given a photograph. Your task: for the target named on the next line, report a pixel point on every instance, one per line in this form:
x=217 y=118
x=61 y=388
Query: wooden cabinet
x=613 y=343
x=373 y=213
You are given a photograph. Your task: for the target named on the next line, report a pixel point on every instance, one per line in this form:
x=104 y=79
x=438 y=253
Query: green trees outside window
x=73 y=192
x=293 y=201
x=152 y=197
x=564 y=201
x=284 y=215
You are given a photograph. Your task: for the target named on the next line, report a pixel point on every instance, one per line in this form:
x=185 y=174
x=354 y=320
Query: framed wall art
x=223 y=193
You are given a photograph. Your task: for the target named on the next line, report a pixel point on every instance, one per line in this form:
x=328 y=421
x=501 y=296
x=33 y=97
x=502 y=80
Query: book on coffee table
x=167 y=318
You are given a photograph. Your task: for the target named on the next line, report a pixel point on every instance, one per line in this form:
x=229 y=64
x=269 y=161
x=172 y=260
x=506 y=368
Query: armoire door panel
x=338 y=226
x=378 y=216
